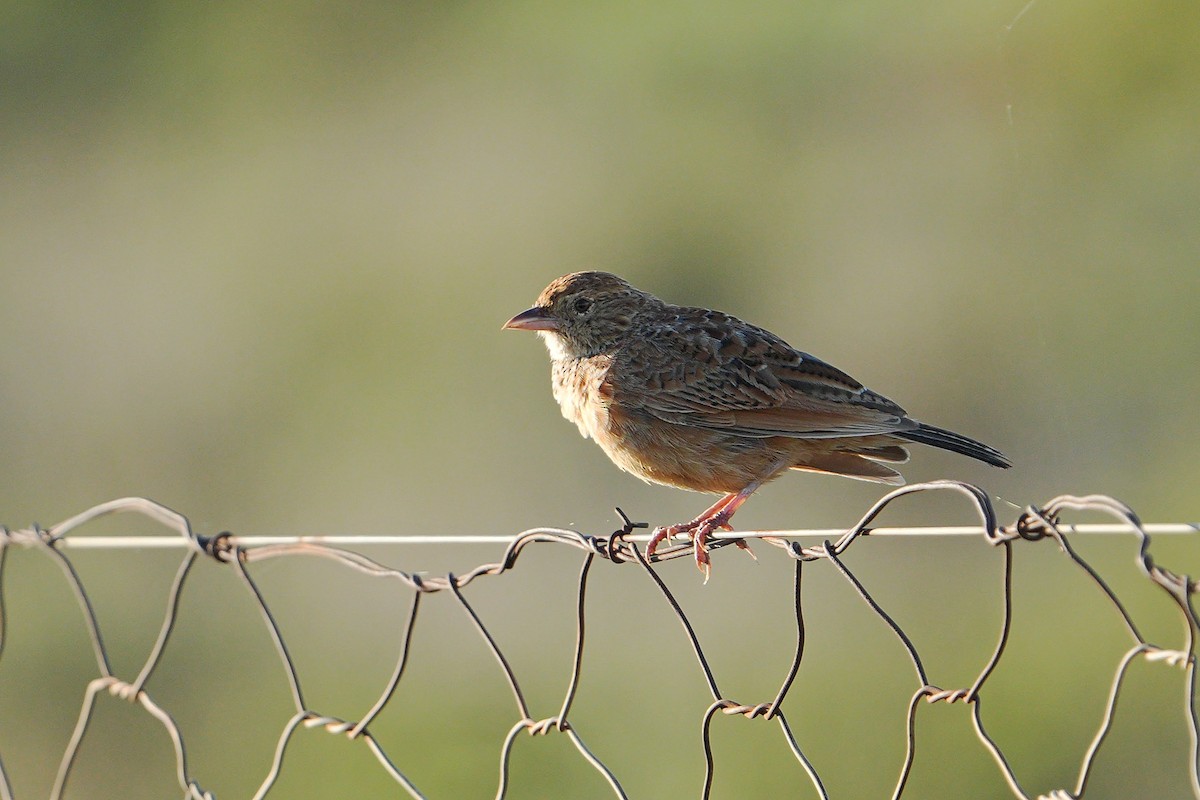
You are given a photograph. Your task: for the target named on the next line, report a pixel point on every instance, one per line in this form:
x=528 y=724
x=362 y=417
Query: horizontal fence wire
x=240 y=553
x=354 y=540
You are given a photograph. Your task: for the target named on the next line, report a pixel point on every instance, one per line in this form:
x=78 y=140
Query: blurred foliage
x=256 y=255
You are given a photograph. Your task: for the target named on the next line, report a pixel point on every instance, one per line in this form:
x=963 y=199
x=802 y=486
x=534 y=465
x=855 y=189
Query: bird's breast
x=576 y=383
x=648 y=447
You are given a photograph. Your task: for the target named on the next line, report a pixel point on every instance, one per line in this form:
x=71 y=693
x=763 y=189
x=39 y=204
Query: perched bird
x=702 y=400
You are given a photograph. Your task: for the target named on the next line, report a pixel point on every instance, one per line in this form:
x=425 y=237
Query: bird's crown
x=589 y=284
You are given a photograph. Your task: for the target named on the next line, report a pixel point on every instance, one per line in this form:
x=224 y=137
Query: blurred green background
x=255 y=258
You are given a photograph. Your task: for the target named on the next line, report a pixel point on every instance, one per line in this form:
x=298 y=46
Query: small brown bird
x=701 y=400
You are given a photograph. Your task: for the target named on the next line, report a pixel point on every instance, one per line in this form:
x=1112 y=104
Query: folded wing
x=714 y=371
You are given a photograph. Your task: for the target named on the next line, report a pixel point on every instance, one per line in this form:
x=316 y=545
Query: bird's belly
x=687 y=457
x=658 y=451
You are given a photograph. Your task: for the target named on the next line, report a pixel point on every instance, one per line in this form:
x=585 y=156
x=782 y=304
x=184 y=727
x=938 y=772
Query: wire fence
x=619 y=548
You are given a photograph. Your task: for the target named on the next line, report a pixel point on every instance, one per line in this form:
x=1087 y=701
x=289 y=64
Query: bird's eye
x=582 y=305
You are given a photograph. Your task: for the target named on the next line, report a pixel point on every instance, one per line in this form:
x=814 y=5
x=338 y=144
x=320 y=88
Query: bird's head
x=585 y=314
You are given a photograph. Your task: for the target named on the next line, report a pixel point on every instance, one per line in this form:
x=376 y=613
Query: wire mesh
x=621 y=547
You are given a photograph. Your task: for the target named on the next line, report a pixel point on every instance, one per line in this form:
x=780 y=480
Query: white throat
x=556 y=346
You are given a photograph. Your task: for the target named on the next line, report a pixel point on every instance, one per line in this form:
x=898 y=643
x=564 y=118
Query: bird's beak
x=535 y=319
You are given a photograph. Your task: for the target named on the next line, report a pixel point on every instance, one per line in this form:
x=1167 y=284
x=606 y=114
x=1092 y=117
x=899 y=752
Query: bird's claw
x=700 y=547
x=742 y=544
x=664 y=533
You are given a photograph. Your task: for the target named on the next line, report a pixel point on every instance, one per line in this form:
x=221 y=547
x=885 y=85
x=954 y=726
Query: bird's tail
x=955 y=442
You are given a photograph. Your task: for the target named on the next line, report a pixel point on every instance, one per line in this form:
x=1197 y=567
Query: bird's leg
x=715 y=518
x=718 y=520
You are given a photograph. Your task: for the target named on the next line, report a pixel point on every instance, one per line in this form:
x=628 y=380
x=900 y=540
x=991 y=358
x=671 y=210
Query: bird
x=701 y=400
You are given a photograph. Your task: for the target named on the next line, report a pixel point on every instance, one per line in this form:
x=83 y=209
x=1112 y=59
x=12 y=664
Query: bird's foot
x=698 y=530
x=664 y=533
x=713 y=524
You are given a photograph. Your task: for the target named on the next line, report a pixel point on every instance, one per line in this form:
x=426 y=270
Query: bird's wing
x=710 y=370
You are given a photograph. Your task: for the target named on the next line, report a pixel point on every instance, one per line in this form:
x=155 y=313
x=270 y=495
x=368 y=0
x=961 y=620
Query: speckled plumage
x=702 y=400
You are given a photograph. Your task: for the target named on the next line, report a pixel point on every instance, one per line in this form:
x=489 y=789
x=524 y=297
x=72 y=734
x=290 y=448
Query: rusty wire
x=1035 y=524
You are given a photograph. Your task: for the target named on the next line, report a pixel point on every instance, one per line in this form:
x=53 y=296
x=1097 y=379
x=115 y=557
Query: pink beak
x=535 y=319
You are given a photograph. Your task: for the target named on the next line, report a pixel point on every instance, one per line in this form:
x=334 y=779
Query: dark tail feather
x=949 y=440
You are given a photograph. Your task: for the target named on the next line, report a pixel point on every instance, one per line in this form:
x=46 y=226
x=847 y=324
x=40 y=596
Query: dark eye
x=582 y=305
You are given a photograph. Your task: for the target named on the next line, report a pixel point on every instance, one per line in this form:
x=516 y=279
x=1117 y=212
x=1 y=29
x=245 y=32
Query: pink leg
x=665 y=532
x=715 y=518
x=716 y=522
